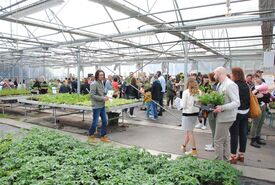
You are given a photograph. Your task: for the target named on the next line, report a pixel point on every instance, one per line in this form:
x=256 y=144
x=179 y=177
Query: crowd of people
x=229 y=123
x=9 y=84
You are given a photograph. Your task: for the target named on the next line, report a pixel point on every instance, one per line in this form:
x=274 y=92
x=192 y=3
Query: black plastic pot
x=113 y=118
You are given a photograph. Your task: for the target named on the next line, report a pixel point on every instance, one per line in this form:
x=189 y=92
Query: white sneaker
x=132 y=116
x=203 y=127
x=210 y=149
x=199 y=125
x=208 y=146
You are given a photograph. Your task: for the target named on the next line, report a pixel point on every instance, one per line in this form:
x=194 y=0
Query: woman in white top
x=190 y=114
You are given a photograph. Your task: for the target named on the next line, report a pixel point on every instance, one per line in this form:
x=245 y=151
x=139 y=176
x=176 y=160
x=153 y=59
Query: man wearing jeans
x=98 y=104
x=226 y=114
x=163 y=86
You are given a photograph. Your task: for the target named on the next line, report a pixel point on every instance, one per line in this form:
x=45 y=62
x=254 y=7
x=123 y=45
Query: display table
x=77 y=108
x=8 y=101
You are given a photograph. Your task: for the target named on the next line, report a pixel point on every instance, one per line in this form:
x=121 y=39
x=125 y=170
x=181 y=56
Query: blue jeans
x=96 y=113
x=154 y=110
x=148 y=110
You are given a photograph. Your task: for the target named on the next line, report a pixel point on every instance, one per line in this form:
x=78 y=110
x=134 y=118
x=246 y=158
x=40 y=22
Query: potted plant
x=209 y=101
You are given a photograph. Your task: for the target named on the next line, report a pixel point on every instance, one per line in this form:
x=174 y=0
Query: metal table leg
x=54 y=115
x=25 y=111
x=122 y=116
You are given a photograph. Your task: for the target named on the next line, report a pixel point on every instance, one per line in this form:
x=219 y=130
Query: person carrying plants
x=226 y=113
x=98 y=104
x=205 y=87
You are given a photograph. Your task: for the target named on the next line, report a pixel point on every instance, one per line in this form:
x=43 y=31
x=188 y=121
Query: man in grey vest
x=226 y=114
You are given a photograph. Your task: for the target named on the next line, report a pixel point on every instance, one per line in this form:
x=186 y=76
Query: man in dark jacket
x=155 y=90
x=65 y=88
x=85 y=88
x=74 y=85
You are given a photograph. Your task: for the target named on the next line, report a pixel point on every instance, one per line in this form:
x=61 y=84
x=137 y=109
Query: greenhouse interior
x=146 y=92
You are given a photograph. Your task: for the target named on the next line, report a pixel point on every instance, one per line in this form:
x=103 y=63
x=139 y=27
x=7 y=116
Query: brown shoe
x=241 y=158
x=233 y=159
x=92 y=139
x=105 y=139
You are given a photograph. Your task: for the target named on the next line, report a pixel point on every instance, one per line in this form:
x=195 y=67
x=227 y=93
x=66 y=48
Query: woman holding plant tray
x=211 y=117
x=190 y=114
x=205 y=87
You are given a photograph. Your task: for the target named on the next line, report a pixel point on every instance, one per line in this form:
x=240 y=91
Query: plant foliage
x=75 y=99
x=214 y=98
x=48 y=157
x=10 y=92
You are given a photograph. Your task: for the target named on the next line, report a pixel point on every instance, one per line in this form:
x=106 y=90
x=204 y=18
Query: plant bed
x=75 y=99
x=12 y=92
x=48 y=157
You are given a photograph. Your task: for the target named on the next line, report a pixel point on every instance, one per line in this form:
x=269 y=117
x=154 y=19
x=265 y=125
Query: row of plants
x=48 y=157
x=75 y=99
x=10 y=92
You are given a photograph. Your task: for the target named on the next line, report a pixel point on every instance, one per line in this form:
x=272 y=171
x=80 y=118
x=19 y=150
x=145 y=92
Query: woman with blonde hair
x=190 y=114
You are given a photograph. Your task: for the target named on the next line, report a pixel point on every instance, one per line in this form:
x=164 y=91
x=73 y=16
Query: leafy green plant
x=75 y=99
x=206 y=89
x=214 y=98
x=48 y=157
x=9 y=92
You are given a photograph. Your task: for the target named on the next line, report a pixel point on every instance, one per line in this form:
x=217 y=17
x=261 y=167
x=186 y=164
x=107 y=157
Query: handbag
x=178 y=103
x=255 y=110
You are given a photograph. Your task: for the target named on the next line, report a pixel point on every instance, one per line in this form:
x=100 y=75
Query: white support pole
x=68 y=71
x=78 y=71
x=185 y=62
x=13 y=71
x=119 y=69
x=21 y=67
x=82 y=69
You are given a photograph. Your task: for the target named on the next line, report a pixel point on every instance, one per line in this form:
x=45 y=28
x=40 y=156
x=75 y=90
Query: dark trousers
x=181 y=94
x=161 y=103
x=96 y=113
x=238 y=133
x=170 y=99
x=132 y=108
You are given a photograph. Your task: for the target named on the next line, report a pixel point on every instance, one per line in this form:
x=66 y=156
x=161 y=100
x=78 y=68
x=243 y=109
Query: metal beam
x=92 y=37
x=159 y=25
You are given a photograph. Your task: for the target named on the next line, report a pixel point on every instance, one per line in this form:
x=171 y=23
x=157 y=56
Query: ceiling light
x=32 y=8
